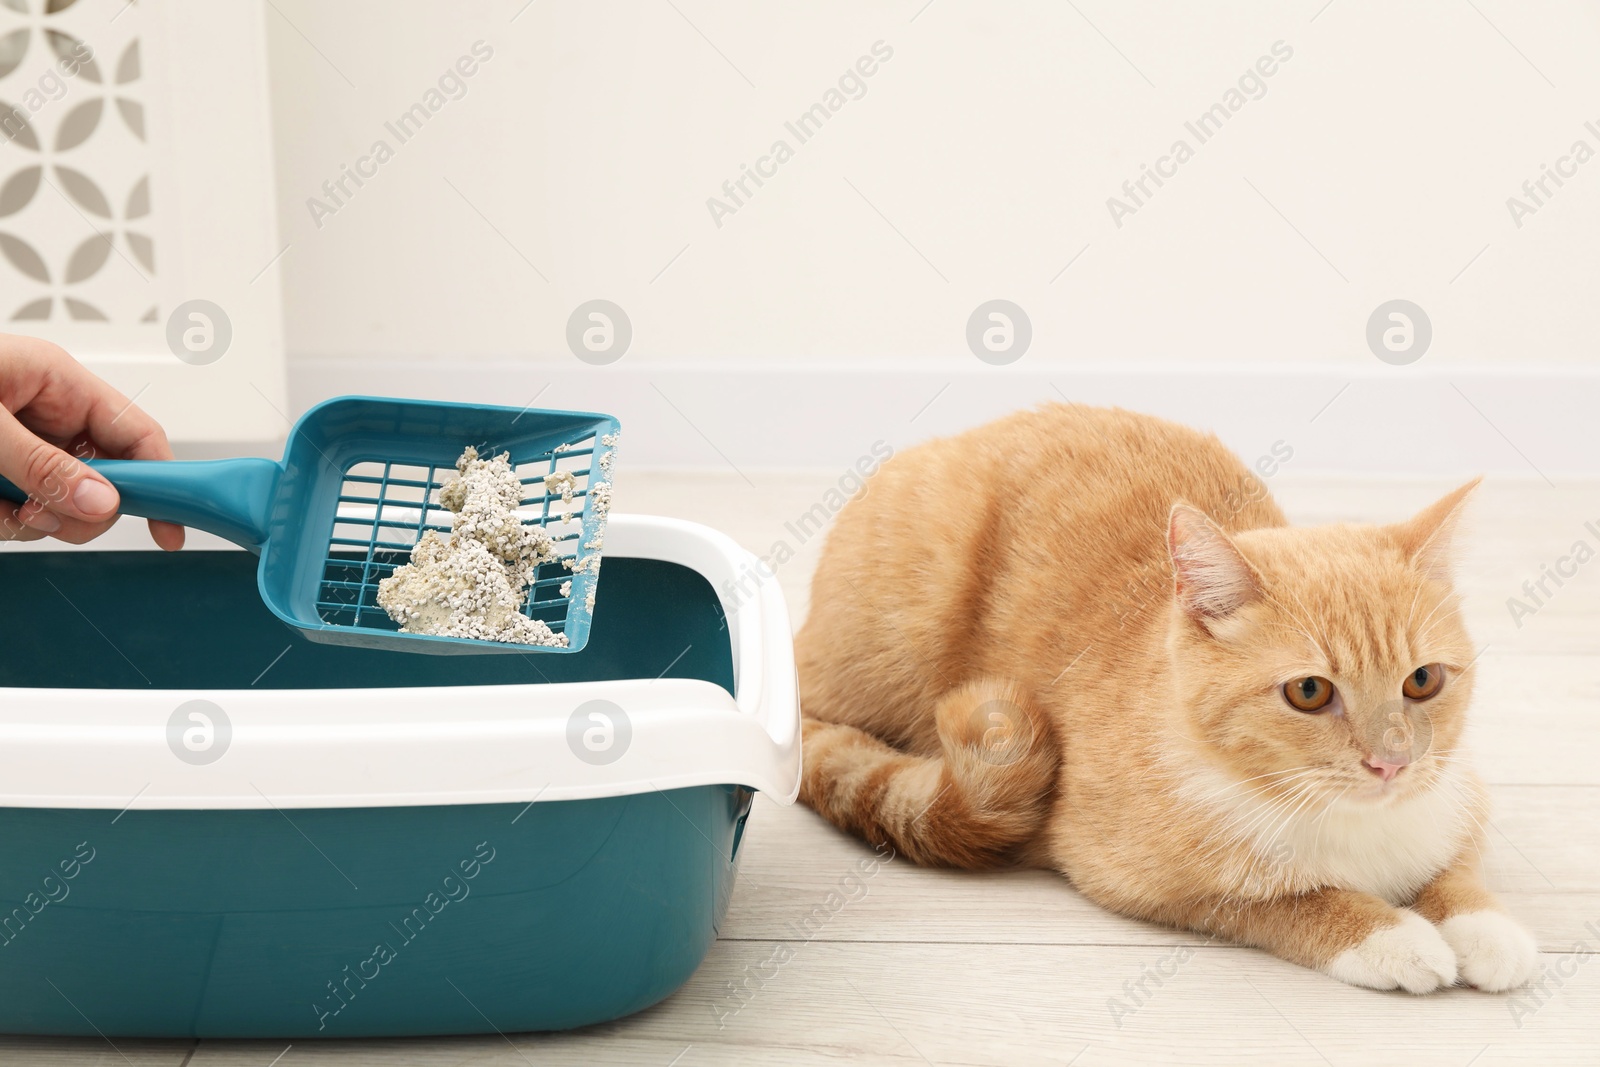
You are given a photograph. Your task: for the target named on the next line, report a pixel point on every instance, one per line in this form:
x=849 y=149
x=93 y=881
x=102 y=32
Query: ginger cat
x=1088 y=640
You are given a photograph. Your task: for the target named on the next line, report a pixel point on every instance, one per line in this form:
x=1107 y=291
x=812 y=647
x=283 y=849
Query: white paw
x=1494 y=952
x=1411 y=955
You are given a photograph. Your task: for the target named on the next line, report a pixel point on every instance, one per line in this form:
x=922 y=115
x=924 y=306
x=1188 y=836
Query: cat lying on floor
x=1088 y=640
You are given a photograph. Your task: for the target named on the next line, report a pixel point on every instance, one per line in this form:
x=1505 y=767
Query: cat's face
x=1326 y=662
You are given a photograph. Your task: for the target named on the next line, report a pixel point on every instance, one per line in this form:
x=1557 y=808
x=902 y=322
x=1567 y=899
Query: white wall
x=1377 y=165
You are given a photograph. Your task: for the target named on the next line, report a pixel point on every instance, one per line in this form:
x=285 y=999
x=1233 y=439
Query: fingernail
x=43 y=521
x=94 y=497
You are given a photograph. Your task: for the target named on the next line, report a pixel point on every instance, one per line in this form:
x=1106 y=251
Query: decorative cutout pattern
x=75 y=201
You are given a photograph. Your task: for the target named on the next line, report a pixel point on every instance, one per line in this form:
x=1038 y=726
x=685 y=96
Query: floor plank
x=92 y=1052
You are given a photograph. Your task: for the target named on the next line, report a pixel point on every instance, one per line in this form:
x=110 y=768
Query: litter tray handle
x=765 y=685
x=768 y=684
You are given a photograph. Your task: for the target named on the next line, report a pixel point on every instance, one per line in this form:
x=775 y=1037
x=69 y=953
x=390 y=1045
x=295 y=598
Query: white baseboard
x=1378 y=421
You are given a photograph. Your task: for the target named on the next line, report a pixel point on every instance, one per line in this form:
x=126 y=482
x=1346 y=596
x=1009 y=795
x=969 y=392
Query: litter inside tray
x=193 y=620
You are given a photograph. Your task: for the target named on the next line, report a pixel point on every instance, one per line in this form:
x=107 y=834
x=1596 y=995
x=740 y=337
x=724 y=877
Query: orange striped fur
x=1061 y=640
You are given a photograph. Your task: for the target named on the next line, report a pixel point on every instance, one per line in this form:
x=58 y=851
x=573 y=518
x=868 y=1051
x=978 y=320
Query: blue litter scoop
x=359 y=486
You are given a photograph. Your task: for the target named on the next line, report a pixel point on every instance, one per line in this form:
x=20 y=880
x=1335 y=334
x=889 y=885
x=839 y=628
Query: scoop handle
x=227 y=497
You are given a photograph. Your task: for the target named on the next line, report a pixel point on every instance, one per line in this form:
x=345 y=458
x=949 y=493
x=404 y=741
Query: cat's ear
x=1428 y=537
x=1213 y=579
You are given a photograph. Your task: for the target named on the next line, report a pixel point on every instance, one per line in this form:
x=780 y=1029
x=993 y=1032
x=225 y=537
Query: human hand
x=53 y=413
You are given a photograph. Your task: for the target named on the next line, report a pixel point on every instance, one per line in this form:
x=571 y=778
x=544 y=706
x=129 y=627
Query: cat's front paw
x=1493 y=951
x=1411 y=955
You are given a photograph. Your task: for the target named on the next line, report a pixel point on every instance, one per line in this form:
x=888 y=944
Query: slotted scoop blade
x=359 y=484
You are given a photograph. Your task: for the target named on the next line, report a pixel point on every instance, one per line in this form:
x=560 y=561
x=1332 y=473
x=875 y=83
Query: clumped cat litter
x=474 y=583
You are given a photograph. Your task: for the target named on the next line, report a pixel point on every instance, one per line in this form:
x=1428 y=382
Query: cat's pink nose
x=1383 y=768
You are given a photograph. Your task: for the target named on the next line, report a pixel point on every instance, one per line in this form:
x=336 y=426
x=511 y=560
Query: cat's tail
x=972 y=806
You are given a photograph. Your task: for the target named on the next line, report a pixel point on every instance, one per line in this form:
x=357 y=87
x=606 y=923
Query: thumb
x=50 y=476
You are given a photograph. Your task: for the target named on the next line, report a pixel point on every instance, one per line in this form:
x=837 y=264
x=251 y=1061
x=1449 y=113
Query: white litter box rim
x=337 y=748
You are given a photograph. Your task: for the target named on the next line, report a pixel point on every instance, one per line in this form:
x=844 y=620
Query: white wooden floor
x=921 y=966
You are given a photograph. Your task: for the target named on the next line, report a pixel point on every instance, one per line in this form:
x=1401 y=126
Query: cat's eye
x=1311 y=693
x=1423 y=682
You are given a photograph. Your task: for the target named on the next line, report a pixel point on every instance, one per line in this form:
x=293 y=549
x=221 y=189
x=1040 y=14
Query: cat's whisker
x=1259 y=852
x=1288 y=819
x=1258 y=791
x=1242 y=827
x=1441 y=649
x=1247 y=840
x=1245 y=781
x=1321 y=823
x=1305 y=793
x=1235 y=825
x=1298 y=627
x=1452 y=602
x=1321 y=641
x=1426 y=626
x=1308 y=792
x=1308 y=613
x=1415 y=597
x=1175 y=768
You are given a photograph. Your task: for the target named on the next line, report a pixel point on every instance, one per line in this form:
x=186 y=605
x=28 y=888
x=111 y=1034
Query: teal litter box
x=211 y=827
